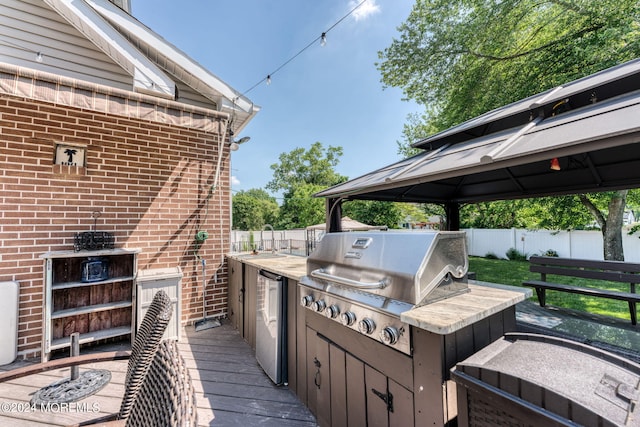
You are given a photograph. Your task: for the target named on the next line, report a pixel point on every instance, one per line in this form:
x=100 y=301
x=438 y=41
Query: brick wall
x=150 y=181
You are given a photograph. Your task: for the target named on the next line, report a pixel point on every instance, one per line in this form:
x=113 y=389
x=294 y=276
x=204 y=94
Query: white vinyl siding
x=29 y=26
x=188 y=96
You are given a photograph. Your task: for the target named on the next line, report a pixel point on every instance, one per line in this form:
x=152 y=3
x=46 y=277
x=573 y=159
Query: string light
x=39 y=56
x=323 y=40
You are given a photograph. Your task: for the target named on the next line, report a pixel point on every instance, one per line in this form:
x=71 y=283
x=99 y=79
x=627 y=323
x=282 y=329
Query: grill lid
x=412 y=267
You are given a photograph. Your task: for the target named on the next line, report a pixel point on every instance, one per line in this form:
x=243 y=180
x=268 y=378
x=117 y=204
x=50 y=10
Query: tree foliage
x=252 y=209
x=300 y=209
x=313 y=166
x=299 y=174
x=463 y=58
x=373 y=212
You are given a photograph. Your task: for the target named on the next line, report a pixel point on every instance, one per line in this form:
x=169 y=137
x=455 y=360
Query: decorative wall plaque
x=70 y=155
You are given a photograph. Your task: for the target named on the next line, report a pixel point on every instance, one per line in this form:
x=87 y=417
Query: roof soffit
x=147 y=77
x=177 y=63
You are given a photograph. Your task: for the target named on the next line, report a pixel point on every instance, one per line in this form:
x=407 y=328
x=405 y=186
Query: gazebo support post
x=452 y=210
x=333 y=208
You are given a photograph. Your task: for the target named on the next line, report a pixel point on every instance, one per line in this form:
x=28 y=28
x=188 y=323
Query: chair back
x=166 y=397
x=144 y=348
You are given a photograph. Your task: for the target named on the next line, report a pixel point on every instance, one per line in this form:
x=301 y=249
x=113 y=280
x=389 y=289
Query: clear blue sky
x=330 y=94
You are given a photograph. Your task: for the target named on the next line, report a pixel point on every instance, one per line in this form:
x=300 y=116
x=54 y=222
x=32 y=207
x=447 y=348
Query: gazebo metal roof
x=591 y=125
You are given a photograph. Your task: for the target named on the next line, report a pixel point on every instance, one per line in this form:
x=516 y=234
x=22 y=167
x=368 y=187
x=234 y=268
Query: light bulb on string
x=323 y=41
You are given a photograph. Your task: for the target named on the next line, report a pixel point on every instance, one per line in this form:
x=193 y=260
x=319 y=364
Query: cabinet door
x=376 y=384
x=356 y=392
x=322 y=381
x=337 y=372
x=344 y=391
x=403 y=413
x=388 y=403
x=292 y=337
x=313 y=370
x=250 y=304
x=234 y=295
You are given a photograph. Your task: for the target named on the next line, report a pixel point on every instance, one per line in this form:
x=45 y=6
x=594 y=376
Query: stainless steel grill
x=366 y=280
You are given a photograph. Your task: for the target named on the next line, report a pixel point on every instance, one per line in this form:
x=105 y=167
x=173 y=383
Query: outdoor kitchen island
x=347 y=377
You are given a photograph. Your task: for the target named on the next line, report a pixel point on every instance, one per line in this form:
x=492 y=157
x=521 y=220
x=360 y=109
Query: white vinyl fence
x=568 y=244
x=480 y=242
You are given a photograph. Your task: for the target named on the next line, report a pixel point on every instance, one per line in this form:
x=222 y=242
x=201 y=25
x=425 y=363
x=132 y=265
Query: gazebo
x=576 y=138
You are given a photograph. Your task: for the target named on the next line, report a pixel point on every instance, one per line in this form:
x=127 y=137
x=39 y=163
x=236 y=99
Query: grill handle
x=320 y=274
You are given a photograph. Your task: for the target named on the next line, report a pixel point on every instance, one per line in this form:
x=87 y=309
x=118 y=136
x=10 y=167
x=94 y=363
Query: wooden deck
x=232 y=388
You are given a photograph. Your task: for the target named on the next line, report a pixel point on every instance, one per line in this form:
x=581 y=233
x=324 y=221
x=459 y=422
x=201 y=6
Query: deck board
x=231 y=388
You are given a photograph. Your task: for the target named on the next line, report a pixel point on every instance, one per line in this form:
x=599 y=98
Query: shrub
x=515 y=255
x=491 y=255
x=550 y=252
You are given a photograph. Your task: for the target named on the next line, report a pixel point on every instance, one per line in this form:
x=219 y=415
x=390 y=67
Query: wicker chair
x=143 y=351
x=166 y=397
x=145 y=347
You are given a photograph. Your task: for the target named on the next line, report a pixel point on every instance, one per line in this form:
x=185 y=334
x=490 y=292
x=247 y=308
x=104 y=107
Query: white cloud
x=368 y=8
x=234 y=180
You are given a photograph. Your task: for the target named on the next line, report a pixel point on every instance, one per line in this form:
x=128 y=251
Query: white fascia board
x=147 y=77
x=171 y=53
x=239 y=117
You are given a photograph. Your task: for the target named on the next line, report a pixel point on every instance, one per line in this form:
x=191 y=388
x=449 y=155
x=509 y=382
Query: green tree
x=252 y=209
x=413 y=212
x=300 y=209
x=313 y=166
x=373 y=212
x=299 y=174
x=463 y=58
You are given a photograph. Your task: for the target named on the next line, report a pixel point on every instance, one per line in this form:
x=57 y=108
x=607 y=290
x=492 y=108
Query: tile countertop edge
x=498 y=297
x=290 y=266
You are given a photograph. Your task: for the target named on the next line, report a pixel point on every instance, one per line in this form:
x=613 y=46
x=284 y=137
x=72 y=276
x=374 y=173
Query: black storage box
x=538 y=380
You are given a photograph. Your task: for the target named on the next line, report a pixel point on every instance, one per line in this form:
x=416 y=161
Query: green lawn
x=515 y=272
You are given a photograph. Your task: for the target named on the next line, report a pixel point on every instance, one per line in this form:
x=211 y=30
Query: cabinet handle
x=386 y=398
x=316 y=379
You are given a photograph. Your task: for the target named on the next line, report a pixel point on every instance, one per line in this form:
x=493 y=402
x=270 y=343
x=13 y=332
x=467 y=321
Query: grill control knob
x=366 y=326
x=306 y=301
x=319 y=305
x=348 y=318
x=332 y=311
x=389 y=335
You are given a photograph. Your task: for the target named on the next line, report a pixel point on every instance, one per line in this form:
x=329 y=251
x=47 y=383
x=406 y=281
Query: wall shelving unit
x=98 y=306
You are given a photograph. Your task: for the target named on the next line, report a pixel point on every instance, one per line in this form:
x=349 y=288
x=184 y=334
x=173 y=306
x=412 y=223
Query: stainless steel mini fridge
x=271 y=325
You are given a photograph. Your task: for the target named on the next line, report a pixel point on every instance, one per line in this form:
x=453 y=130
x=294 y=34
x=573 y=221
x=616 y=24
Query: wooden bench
x=614 y=271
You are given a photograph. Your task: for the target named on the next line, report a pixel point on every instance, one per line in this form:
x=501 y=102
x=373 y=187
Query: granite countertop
x=441 y=317
x=290 y=266
x=451 y=314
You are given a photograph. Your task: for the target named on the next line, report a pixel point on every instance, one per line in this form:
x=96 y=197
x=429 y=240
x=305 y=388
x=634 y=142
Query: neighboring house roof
x=349 y=224
x=506 y=153
x=155 y=66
